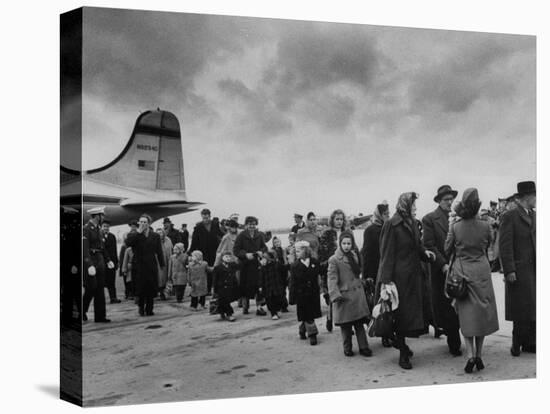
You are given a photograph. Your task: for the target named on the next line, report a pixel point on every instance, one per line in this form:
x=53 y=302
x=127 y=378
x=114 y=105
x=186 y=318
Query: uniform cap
x=96 y=210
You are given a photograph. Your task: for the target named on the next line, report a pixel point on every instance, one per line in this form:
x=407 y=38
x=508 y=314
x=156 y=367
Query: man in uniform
x=110 y=274
x=518 y=239
x=435 y=228
x=94 y=257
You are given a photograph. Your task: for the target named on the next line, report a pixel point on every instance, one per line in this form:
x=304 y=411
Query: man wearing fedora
x=436 y=227
x=518 y=256
x=172 y=233
x=95 y=256
x=299 y=223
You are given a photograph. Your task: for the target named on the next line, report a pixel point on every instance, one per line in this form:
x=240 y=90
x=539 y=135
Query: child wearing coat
x=271 y=285
x=225 y=284
x=197 y=279
x=305 y=278
x=346 y=291
x=126 y=271
x=177 y=271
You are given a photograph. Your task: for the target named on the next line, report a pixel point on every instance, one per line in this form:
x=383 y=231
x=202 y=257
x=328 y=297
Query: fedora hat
x=443 y=191
x=526 y=187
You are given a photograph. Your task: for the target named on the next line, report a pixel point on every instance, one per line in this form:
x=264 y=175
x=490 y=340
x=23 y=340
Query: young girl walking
x=197 y=279
x=177 y=271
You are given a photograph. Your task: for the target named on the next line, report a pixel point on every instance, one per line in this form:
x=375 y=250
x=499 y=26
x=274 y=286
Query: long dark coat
x=517 y=245
x=400 y=254
x=224 y=282
x=371 y=251
x=250 y=269
x=304 y=289
x=148 y=255
x=110 y=246
x=206 y=241
x=436 y=227
x=271 y=282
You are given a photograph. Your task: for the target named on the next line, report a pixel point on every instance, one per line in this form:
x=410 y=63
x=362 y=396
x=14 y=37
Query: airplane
x=146 y=177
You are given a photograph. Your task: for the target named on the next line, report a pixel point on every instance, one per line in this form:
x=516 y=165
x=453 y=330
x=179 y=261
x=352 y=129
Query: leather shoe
x=470 y=365
x=365 y=352
x=515 y=351
x=303 y=336
x=456 y=352
x=349 y=353
x=313 y=340
x=105 y=320
x=479 y=364
x=84 y=317
x=404 y=361
x=329 y=325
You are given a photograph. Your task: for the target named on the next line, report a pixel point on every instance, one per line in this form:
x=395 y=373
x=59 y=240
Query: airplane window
x=146 y=165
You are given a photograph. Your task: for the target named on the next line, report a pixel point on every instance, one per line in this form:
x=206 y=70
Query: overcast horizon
x=281 y=116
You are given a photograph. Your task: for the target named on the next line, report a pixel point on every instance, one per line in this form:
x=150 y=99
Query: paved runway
x=179 y=355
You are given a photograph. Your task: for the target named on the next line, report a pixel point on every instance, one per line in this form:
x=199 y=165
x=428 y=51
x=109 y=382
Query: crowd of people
x=404 y=262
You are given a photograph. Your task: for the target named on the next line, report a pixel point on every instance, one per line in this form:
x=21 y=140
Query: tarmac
x=182 y=355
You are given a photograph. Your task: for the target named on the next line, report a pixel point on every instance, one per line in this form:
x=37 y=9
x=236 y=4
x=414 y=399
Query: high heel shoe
x=479 y=364
x=470 y=365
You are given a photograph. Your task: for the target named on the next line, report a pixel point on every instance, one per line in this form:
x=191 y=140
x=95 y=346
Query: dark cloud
x=471 y=72
x=260 y=117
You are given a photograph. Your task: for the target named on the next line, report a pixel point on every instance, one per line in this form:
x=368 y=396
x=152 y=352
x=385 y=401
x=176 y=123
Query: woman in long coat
x=148 y=255
x=304 y=291
x=328 y=244
x=249 y=245
x=401 y=251
x=350 y=309
x=468 y=239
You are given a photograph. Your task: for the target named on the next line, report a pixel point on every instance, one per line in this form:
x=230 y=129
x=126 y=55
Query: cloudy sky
x=280 y=116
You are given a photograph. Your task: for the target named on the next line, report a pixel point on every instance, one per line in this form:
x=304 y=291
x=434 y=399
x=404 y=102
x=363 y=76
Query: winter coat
x=304 y=289
x=436 y=227
x=227 y=244
x=371 y=251
x=197 y=278
x=250 y=269
x=271 y=282
x=206 y=241
x=343 y=283
x=224 y=282
x=163 y=270
x=148 y=255
x=400 y=254
x=477 y=311
x=177 y=271
x=127 y=263
x=517 y=245
x=110 y=246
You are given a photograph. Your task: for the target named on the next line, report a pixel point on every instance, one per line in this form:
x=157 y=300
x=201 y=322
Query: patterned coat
x=271 y=282
x=197 y=278
x=177 y=271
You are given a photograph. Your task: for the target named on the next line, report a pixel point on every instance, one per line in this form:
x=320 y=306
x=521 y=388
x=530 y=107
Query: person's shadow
x=51 y=389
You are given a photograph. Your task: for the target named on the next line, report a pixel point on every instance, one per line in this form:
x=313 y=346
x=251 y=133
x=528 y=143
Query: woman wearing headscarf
x=401 y=251
x=468 y=240
x=328 y=244
x=347 y=294
x=371 y=248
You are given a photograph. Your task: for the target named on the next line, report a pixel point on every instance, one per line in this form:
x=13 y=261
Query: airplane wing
x=135 y=202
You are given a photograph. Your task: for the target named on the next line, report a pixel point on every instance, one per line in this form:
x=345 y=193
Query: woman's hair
x=347 y=235
x=470 y=204
x=333 y=216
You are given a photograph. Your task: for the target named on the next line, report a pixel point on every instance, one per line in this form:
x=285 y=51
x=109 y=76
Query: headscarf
x=354 y=264
x=469 y=205
x=404 y=204
x=378 y=215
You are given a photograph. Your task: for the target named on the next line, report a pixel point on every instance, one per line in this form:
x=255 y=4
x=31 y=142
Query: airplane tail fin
x=152 y=158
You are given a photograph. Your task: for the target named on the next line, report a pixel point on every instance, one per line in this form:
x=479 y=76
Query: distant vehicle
x=146 y=177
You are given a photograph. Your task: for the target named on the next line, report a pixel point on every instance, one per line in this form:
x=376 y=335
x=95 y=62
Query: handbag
x=382 y=325
x=455 y=284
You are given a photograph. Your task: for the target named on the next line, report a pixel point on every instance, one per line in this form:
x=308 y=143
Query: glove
x=326 y=297
x=110 y=264
x=74 y=270
x=91 y=271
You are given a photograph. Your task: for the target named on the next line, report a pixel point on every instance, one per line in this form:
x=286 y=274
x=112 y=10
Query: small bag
x=455 y=285
x=382 y=325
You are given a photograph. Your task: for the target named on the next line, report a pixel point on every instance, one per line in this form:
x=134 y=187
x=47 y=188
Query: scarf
x=353 y=263
x=377 y=217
